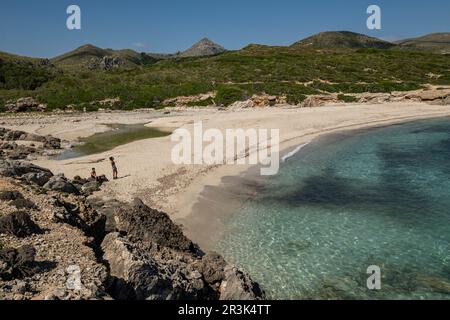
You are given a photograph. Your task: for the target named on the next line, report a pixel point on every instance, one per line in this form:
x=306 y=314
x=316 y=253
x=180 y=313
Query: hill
x=342 y=40
x=89 y=56
x=204 y=47
x=292 y=71
x=435 y=42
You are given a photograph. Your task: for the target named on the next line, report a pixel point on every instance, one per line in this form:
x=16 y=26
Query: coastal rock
x=18 y=224
x=24 y=170
x=61 y=184
x=212 y=267
x=80 y=215
x=140 y=222
x=241 y=105
x=17 y=263
x=16 y=199
x=137 y=274
x=90 y=187
x=238 y=285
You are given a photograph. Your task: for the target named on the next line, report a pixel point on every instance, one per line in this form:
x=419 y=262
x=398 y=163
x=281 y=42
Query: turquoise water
x=348 y=201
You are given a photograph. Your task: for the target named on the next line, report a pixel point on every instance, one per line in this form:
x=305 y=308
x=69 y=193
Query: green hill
x=86 y=56
x=435 y=42
x=293 y=71
x=342 y=40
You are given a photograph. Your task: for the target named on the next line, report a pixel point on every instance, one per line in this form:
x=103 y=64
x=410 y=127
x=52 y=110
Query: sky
x=38 y=28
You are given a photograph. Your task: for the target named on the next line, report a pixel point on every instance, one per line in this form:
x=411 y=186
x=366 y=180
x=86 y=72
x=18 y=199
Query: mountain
x=435 y=42
x=204 y=47
x=342 y=40
x=90 y=56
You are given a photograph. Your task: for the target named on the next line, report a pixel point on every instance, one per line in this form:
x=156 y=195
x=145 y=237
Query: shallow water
x=119 y=135
x=348 y=201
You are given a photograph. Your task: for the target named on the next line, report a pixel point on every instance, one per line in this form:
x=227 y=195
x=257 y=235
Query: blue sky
x=38 y=28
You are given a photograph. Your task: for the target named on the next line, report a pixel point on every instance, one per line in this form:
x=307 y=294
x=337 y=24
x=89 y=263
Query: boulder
x=17 y=263
x=80 y=215
x=137 y=274
x=24 y=105
x=18 y=224
x=90 y=187
x=17 y=199
x=52 y=143
x=212 y=267
x=141 y=223
x=238 y=285
x=24 y=170
x=61 y=184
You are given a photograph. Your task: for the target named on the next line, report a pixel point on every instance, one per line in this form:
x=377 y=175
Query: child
x=93 y=174
x=114 y=168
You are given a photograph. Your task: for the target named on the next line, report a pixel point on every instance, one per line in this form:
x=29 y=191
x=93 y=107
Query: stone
x=61 y=184
x=21 y=169
x=90 y=187
x=212 y=266
x=17 y=263
x=141 y=223
x=136 y=273
x=24 y=105
x=18 y=224
x=238 y=285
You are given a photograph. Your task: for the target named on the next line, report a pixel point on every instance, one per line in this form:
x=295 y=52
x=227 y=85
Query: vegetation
x=291 y=71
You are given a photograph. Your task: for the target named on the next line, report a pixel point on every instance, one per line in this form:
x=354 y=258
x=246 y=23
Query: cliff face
x=57 y=244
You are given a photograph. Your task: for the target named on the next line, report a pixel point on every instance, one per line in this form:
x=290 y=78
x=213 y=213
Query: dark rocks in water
x=18 y=224
x=17 y=263
x=140 y=222
x=61 y=184
x=24 y=170
x=82 y=216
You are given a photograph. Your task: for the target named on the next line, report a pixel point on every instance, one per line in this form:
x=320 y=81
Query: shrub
x=227 y=95
x=345 y=98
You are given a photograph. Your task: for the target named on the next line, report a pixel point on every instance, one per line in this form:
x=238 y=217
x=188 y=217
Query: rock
x=61 y=184
x=52 y=143
x=18 y=224
x=212 y=267
x=22 y=169
x=238 y=285
x=24 y=105
x=10 y=195
x=90 y=187
x=242 y=105
x=106 y=63
x=17 y=263
x=20 y=287
x=137 y=274
x=82 y=216
x=37 y=178
x=435 y=283
x=141 y=223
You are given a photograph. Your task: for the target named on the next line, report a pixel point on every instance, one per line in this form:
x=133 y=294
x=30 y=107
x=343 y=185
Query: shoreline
x=147 y=171
x=216 y=191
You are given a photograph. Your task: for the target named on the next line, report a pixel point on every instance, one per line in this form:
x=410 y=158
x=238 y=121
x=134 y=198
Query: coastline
x=224 y=190
x=146 y=168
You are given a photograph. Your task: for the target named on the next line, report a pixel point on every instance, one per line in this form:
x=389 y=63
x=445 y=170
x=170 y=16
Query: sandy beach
x=147 y=171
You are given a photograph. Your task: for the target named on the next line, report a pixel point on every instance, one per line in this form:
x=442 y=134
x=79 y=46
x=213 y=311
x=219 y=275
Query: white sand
x=147 y=167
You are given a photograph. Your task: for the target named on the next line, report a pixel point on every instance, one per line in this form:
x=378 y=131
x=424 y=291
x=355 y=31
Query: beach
x=146 y=169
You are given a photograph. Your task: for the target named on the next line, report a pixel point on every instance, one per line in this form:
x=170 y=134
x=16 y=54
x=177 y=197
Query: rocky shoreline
x=57 y=242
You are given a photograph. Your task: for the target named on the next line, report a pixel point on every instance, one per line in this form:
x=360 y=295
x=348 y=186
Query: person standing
x=114 y=168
